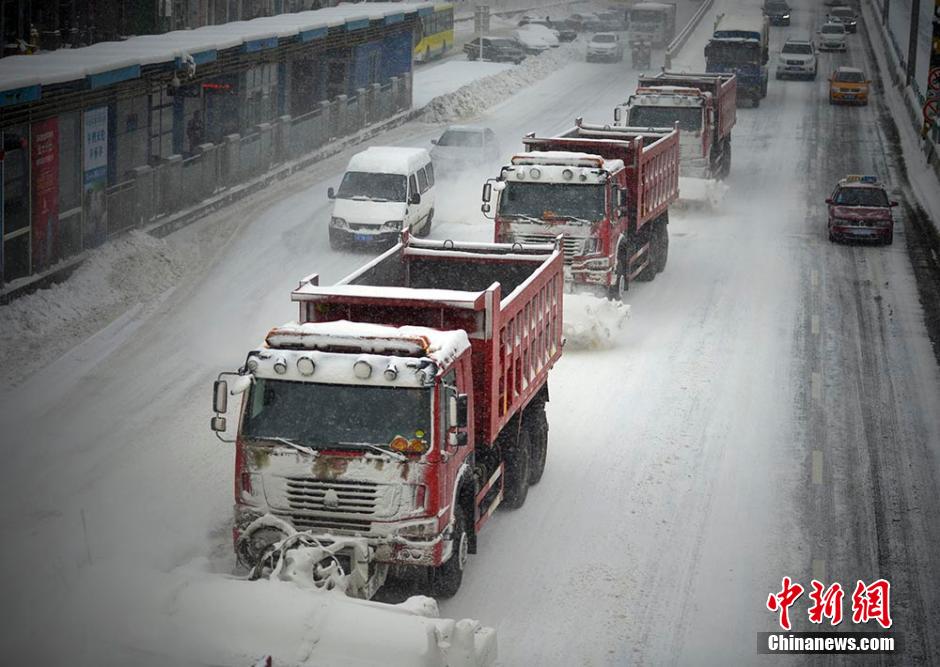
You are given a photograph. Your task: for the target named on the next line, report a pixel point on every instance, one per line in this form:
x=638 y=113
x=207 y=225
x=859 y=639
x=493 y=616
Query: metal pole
x=912 y=43
x=885 y=5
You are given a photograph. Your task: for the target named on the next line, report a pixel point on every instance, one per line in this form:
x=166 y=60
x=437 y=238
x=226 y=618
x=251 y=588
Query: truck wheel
x=516 y=482
x=755 y=101
x=889 y=239
x=538 y=435
x=649 y=272
x=617 y=291
x=426 y=227
x=660 y=245
x=446 y=578
x=336 y=242
x=726 y=159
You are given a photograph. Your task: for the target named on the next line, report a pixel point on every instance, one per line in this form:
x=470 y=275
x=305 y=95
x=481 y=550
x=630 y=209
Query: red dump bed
x=723 y=87
x=507 y=297
x=650 y=158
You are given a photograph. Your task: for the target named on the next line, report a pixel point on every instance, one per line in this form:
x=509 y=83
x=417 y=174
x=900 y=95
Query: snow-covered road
x=770 y=409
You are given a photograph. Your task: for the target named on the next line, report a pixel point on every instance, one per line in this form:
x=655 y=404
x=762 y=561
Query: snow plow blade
x=705 y=193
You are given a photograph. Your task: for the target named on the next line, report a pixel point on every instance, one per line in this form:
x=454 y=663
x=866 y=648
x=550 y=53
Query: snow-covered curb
x=479 y=95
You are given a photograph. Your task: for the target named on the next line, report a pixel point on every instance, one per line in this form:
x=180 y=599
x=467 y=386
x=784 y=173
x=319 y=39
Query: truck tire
x=446 y=578
x=336 y=242
x=426 y=227
x=726 y=159
x=618 y=290
x=660 y=243
x=538 y=435
x=516 y=471
x=649 y=272
x=755 y=101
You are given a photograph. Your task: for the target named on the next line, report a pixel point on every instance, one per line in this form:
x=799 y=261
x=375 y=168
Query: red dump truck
x=401 y=409
x=606 y=189
x=704 y=106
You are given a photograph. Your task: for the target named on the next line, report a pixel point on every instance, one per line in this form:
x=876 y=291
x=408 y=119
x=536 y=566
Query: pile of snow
x=114 y=278
x=474 y=98
x=446 y=77
x=131 y=615
x=706 y=192
x=592 y=323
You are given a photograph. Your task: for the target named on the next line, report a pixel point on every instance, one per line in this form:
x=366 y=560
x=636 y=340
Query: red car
x=859 y=209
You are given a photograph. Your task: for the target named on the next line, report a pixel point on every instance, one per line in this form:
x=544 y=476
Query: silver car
x=832 y=37
x=462 y=146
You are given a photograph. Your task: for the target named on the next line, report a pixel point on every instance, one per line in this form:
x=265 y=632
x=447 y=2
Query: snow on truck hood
x=368 y=212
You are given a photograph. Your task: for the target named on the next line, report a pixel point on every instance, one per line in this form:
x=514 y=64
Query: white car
x=464 y=145
x=536 y=38
x=605 y=46
x=797 y=58
x=832 y=37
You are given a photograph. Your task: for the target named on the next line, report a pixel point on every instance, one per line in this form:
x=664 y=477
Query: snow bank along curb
x=479 y=95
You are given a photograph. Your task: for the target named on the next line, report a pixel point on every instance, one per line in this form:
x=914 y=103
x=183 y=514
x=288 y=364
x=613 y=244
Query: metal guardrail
x=679 y=41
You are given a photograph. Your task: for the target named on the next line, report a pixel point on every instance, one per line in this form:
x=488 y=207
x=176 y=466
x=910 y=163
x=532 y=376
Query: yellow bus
x=434 y=35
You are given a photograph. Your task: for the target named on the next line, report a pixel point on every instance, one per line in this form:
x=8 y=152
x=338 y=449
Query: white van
x=385 y=189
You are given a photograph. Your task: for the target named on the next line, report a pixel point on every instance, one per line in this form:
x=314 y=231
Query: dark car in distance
x=496 y=49
x=777 y=12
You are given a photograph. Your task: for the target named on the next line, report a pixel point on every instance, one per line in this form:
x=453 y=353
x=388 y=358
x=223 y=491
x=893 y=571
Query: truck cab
x=740 y=45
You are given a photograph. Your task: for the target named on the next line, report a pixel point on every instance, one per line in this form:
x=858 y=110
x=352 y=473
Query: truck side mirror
x=218 y=424
x=617 y=114
x=892 y=203
x=463 y=405
x=485 y=208
x=330 y=193
x=829 y=200
x=434 y=142
x=487 y=191
x=220 y=397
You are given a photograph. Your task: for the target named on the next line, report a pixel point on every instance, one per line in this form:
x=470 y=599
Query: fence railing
x=679 y=40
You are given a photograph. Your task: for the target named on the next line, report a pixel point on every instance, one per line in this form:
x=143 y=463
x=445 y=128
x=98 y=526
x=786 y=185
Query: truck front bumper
x=595 y=271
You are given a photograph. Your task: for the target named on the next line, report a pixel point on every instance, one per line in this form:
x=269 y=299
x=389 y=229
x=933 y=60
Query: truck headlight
x=419 y=530
x=590 y=246
x=339 y=223
x=393 y=224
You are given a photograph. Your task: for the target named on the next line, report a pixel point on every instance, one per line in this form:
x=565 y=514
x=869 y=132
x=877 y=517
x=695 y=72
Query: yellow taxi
x=848 y=85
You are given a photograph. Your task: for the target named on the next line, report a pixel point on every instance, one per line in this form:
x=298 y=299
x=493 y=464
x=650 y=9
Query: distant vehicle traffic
x=848 y=85
x=653 y=22
x=605 y=46
x=740 y=45
x=434 y=33
x=797 y=58
x=462 y=146
x=832 y=37
x=534 y=39
x=495 y=49
x=844 y=15
x=777 y=12
x=859 y=209
x=565 y=33
x=386 y=189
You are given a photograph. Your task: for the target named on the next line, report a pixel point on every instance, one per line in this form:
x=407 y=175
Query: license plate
x=363 y=237
x=848 y=96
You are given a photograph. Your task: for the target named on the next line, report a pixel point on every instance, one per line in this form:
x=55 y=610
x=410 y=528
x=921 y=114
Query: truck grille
x=355 y=499
x=571 y=246
x=319 y=523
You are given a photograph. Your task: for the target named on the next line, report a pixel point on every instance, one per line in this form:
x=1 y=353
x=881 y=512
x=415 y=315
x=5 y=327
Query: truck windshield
x=690 y=118
x=387 y=187
x=732 y=52
x=324 y=415
x=553 y=200
x=861 y=197
x=800 y=49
